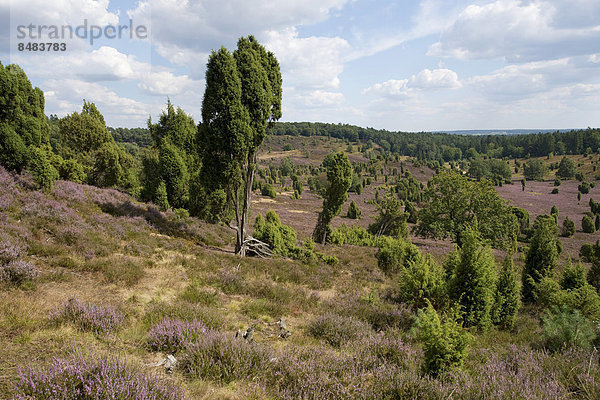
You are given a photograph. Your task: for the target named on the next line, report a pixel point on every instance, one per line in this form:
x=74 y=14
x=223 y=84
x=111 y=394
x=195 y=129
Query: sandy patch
x=263 y=200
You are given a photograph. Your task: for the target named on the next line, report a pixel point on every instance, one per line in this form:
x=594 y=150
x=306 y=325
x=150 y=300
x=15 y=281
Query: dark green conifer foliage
x=542 y=255
x=507 y=300
x=445 y=342
x=161 y=198
x=473 y=279
x=353 y=211
x=587 y=224
x=242 y=97
x=339 y=178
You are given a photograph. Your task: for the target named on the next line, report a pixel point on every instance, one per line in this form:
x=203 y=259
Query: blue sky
x=399 y=65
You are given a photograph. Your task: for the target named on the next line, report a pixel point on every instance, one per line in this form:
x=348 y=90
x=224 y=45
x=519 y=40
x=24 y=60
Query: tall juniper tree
x=339 y=178
x=242 y=97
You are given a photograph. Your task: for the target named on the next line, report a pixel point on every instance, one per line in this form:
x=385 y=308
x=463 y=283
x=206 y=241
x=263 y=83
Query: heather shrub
x=99 y=319
x=422 y=279
x=156 y=312
x=196 y=294
x=172 y=335
x=388 y=348
x=92 y=377
x=17 y=272
x=444 y=341
x=336 y=329
x=318 y=374
x=13 y=270
x=9 y=252
x=223 y=358
x=380 y=314
x=564 y=328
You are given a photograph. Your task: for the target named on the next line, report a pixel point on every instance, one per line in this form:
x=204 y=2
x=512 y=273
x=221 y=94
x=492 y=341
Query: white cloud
x=205 y=25
x=521 y=31
x=66 y=96
x=524 y=80
x=423 y=81
x=321 y=98
x=312 y=62
x=436 y=79
x=108 y=64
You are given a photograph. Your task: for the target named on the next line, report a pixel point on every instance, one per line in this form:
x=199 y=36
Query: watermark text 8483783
x=42 y=46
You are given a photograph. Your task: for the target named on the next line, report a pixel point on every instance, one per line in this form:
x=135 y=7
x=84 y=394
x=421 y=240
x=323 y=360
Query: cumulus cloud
x=321 y=98
x=524 y=80
x=312 y=62
x=205 y=25
x=522 y=31
x=425 y=80
x=65 y=96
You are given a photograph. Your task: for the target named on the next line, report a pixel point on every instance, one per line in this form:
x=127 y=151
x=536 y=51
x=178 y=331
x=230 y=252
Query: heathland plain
x=455 y=267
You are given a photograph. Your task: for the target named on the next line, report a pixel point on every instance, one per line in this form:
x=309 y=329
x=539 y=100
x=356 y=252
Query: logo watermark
x=90 y=33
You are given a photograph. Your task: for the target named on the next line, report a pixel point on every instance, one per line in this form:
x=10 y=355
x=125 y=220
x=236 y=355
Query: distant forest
x=424 y=145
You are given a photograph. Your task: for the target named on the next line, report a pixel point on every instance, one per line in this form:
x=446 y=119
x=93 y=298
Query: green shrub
x=564 y=328
x=587 y=224
x=422 y=279
x=554 y=191
x=354 y=235
x=268 y=190
x=507 y=299
x=160 y=198
x=584 y=298
x=353 y=211
x=71 y=170
x=281 y=238
x=584 y=188
x=568 y=228
x=391 y=220
x=542 y=255
x=40 y=167
x=445 y=343
x=473 y=278
x=573 y=277
x=393 y=255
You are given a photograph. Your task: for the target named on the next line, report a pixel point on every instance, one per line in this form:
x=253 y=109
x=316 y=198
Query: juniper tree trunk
x=243 y=220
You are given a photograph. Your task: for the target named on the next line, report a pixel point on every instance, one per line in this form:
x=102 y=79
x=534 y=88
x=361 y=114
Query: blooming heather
x=99 y=319
x=92 y=377
x=171 y=335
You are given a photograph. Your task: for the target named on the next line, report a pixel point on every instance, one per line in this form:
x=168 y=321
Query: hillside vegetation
x=290 y=260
